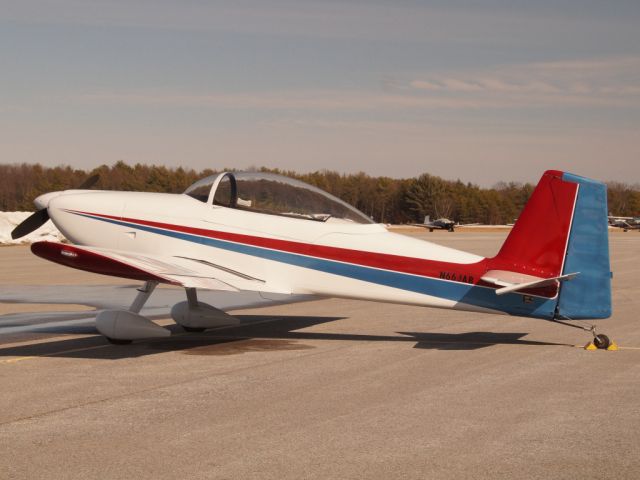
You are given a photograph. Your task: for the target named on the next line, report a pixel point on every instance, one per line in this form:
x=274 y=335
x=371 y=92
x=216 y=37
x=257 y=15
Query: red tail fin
x=538 y=241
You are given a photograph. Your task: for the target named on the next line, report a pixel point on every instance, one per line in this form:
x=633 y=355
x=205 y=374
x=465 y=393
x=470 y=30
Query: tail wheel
x=601 y=341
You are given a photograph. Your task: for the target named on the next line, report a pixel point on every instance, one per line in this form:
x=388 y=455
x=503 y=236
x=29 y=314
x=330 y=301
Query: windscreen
x=274 y=195
x=278 y=195
x=200 y=190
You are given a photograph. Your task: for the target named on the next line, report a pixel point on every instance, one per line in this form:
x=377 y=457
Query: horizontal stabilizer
x=514 y=282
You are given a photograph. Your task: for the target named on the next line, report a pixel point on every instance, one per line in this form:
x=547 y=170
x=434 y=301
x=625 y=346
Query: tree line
x=386 y=200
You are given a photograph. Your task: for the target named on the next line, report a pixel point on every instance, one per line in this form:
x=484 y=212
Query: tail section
x=562 y=231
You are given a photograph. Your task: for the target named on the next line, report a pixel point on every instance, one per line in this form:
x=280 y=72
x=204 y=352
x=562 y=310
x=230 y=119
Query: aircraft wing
x=632 y=225
x=515 y=282
x=175 y=270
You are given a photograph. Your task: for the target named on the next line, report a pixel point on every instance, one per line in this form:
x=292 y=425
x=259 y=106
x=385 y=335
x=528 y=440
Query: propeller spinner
x=40 y=217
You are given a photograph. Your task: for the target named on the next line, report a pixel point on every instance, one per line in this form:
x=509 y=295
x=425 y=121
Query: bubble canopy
x=273 y=194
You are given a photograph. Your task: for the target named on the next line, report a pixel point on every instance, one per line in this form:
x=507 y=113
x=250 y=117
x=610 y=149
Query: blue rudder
x=588 y=296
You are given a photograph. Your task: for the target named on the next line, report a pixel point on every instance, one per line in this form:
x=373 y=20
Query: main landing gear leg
x=144 y=293
x=600 y=341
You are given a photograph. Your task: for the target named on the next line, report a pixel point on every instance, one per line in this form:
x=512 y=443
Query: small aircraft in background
x=442 y=224
x=439 y=224
x=626 y=223
x=269 y=233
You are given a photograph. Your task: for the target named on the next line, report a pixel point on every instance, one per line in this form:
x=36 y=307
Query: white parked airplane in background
x=268 y=233
x=439 y=224
x=626 y=223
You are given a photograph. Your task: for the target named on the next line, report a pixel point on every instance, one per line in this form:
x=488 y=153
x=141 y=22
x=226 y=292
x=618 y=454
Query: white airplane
x=438 y=224
x=268 y=233
x=626 y=223
x=442 y=224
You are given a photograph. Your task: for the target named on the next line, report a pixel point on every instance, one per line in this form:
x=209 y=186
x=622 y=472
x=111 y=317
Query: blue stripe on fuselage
x=459 y=292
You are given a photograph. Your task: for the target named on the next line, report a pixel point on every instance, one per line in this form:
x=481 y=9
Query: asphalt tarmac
x=316 y=389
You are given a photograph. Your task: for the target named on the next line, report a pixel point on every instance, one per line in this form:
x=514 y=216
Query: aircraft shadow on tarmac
x=255 y=333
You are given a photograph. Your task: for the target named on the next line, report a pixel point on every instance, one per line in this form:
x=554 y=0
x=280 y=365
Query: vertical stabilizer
x=538 y=241
x=562 y=231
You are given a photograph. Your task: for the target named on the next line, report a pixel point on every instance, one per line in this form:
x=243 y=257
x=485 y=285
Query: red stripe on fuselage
x=396 y=263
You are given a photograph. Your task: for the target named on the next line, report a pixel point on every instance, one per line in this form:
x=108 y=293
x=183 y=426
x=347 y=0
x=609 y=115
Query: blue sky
x=481 y=91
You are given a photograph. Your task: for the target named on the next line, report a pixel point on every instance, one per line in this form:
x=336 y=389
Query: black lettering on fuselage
x=456 y=277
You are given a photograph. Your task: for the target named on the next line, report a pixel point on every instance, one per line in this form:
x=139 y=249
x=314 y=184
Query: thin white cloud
x=603 y=82
x=483 y=84
x=310 y=100
x=604 y=65
x=599 y=81
x=477 y=94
